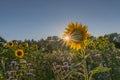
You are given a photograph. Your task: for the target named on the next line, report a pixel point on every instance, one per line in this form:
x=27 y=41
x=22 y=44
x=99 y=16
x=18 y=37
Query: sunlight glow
x=67 y=38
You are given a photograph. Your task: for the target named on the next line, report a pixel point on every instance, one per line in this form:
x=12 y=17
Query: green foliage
x=99 y=69
x=48 y=60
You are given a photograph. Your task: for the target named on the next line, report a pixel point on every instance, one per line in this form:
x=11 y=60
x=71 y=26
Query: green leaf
x=74 y=71
x=86 y=56
x=99 y=69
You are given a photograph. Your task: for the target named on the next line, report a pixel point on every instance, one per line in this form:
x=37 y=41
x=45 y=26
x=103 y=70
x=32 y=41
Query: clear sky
x=27 y=19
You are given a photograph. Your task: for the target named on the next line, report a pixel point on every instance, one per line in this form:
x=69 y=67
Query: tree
x=115 y=38
x=2 y=41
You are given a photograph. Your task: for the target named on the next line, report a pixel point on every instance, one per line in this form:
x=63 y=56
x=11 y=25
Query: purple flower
x=66 y=65
x=13 y=63
x=30 y=74
x=29 y=64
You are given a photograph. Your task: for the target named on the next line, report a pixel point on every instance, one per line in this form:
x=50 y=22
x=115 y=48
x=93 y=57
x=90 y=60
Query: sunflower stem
x=86 y=75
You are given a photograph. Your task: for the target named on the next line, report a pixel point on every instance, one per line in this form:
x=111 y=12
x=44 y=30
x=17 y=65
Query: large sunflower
x=75 y=35
x=19 y=53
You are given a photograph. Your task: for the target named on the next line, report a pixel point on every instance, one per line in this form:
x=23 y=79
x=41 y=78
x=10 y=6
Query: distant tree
x=2 y=41
x=115 y=38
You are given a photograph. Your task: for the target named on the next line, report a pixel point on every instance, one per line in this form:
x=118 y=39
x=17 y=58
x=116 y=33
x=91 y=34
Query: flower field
x=75 y=56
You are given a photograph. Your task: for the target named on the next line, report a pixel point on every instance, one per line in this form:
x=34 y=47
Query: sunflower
x=10 y=43
x=26 y=44
x=19 y=53
x=75 y=35
x=100 y=37
x=20 y=46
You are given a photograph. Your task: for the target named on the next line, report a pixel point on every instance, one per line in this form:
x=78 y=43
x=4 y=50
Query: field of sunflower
x=77 y=56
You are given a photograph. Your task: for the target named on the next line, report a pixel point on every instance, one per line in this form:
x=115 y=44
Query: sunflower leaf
x=99 y=69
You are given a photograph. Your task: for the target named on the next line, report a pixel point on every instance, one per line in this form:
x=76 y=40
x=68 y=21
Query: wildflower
x=102 y=64
x=29 y=64
x=11 y=74
x=13 y=63
x=10 y=78
x=75 y=35
x=69 y=58
x=65 y=65
x=23 y=61
x=31 y=70
x=30 y=74
x=19 y=53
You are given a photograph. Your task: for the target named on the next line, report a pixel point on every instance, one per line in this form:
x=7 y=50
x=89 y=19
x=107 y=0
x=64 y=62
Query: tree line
x=54 y=42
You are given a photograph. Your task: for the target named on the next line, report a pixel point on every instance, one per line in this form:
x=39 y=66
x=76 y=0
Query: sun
x=75 y=35
x=66 y=38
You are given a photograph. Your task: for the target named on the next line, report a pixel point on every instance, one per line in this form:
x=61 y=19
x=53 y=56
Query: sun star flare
x=75 y=35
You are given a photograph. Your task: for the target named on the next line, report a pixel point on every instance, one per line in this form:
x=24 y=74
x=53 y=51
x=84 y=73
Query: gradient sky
x=27 y=19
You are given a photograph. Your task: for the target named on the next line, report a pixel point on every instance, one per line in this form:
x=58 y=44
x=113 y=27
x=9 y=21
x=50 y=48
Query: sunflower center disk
x=19 y=53
x=10 y=43
x=77 y=36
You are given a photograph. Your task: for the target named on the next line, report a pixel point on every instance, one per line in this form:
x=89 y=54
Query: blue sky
x=27 y=19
